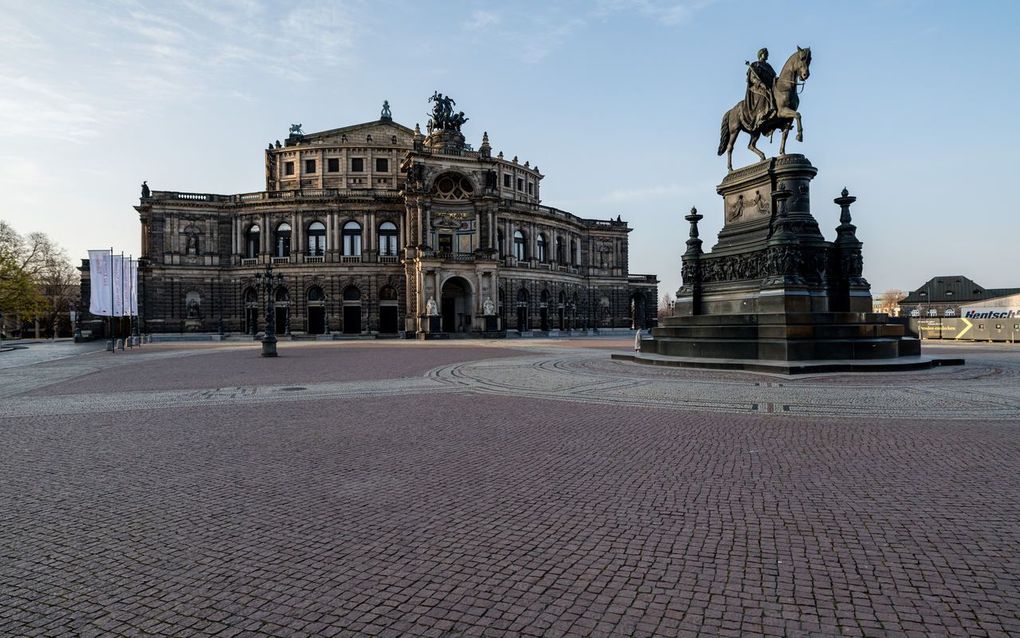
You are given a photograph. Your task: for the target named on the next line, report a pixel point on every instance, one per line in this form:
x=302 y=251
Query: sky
x=912 y=105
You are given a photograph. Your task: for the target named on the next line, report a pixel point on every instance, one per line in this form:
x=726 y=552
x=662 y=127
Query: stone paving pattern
x=484 y=511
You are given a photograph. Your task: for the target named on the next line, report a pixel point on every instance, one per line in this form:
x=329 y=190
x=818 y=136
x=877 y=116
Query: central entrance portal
x=456 y=305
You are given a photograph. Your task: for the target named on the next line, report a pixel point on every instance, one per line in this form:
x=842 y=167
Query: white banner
x=101 y=283
x=133 y=283
x=118 y=285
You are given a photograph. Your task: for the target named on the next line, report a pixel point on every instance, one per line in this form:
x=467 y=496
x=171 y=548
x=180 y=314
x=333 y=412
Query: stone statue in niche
x=488 y=308
x=193 y=308
x=431 y=309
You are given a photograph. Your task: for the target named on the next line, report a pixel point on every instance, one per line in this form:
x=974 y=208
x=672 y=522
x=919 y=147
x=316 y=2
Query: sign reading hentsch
x=1000 y=312
x=1001 y=308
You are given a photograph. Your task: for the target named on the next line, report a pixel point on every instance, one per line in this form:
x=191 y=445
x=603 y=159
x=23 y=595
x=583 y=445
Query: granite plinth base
x=898 y=364
x=824 y=341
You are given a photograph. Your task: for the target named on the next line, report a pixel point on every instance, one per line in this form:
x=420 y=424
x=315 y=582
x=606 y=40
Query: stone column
x=420 y=221
x=492 y=228
x=479 y=294
x=329 y=235
x=427 y=239
x=369 y=232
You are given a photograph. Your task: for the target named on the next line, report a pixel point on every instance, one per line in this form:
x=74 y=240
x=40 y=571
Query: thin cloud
x=481 y=20
x=665 y=13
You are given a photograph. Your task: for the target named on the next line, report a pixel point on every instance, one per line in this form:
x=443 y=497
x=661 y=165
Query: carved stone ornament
x=808 y=264
x=757 y=204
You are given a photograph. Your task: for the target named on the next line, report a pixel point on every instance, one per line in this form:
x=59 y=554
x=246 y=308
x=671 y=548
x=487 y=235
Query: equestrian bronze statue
x=769 y=105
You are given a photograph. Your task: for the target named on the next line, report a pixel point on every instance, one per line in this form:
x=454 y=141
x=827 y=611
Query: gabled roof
x=365 y=127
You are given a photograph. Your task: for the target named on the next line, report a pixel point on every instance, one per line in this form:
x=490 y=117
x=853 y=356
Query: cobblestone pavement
x=450 y=490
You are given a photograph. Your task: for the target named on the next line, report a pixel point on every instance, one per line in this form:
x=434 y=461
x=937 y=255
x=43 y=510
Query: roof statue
x=295 y=129
x=443 y=118
x=770 y=103
x=385 y=114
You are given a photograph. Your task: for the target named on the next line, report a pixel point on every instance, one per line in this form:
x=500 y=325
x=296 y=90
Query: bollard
x=120 y=344
x=109 y=346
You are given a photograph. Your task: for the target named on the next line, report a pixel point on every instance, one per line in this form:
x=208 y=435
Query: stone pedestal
x=774 y=290
x=491 y=323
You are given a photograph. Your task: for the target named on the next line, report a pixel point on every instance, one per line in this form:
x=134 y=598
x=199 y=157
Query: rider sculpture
x=770 y=104
x=759 y=102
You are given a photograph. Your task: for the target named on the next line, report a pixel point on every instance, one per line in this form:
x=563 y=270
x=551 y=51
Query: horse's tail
x=724 y=134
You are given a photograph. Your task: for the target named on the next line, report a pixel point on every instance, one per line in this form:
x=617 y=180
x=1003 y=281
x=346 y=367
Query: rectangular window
x=309 y=167
x=530 y=188
x=520 y=184
x=382 y=165
x=333 y=164
x=357 y=164
x=506 y=180
x=288 y=168
x=445 y=243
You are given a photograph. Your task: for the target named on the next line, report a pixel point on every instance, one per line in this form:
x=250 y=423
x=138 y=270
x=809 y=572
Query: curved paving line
x=946 y=400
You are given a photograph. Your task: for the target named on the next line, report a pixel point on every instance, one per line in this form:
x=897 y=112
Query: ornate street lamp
x=269 y=282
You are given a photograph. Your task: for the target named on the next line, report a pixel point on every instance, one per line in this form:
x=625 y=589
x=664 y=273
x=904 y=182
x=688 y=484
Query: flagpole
x=131 y=304
x=120 y=323
x=113 y=340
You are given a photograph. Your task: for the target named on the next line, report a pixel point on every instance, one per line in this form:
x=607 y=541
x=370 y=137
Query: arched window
x=541 y=247
x=315 y=294
x=316 y=239
x=561 y=254
x=950 y=312
x=352 y=239
x=499 y=243
x=281 y=242
x=251 y=241
x=388 y=239
x=282 y=294
x=520 y=251
x=575 y=254
x=352 y=293
x=388 y=293
x=452 y=186
x=251 y=296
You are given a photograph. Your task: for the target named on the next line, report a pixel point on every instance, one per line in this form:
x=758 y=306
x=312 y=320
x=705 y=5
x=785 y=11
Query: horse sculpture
x=784 y=90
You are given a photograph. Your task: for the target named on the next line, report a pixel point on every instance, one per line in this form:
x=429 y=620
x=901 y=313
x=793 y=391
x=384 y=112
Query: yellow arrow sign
x=964 y=331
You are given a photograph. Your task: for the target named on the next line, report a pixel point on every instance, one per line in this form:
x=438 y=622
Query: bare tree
x=666 y=306
x=37 y=280
x=889 y=301
x=19 y=298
